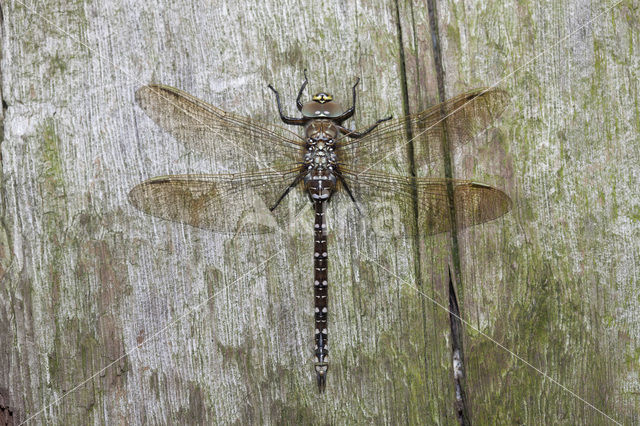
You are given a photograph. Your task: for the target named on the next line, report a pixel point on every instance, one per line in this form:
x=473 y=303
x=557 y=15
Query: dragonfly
x=328 y=164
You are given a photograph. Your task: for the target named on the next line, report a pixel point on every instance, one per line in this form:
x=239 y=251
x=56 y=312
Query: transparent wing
x=224 y=136
x=387 y=146
x=387 y=203
x=229 y=204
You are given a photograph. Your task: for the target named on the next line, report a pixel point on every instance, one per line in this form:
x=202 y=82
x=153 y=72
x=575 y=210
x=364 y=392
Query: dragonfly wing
x=384 y=204
x=388 y=202
x=222 y=135
x=386 y=147
x=475 y=203
x=228 y=204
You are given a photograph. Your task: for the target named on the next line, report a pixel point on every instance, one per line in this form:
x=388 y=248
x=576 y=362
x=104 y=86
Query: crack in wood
x=457 y=350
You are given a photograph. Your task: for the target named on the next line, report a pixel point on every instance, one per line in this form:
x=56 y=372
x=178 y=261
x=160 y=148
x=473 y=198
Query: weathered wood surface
x=225 y=325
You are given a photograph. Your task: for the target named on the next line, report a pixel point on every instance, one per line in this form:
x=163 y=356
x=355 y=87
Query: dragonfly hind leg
x=348 y=190
x=293 y=184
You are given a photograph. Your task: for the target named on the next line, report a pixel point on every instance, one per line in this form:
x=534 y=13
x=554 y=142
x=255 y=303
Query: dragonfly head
x=322 y=106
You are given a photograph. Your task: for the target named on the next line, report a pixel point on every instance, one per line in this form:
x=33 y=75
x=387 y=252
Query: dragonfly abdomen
x=320 y=283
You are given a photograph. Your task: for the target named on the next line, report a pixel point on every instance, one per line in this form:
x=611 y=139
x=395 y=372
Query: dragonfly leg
x=284 y=118
x=295 y=182
x=346 y=187
x=356 y=135
x=304 y=84
x=349 y=112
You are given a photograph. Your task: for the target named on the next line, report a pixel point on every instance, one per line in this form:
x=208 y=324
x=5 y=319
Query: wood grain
x=197 y=328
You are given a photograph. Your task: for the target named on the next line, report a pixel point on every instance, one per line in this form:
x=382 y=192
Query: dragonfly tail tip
x=322 y=381
x=321 y=375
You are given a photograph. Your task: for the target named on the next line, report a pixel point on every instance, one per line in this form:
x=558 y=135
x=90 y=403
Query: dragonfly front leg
x=283 y=117
x=348 y=113
x=304 y=84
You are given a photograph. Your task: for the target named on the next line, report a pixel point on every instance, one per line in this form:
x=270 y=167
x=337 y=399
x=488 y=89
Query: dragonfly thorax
x=320 y=154
x=321 y=162
x=321 y=129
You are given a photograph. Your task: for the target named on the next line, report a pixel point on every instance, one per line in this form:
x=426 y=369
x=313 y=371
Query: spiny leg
x=304 y=84
x=349 y=112
x=356 y=135
x=293 y=184
x=346 y=188
x=283 y=117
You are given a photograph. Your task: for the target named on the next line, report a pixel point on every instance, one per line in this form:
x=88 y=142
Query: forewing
x=387 y=146
x=228 y=204
x=222 y=135
x=387 y=203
